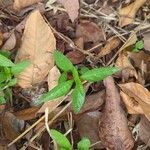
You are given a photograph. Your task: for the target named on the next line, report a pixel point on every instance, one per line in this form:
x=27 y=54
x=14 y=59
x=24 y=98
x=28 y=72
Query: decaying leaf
x=89 y=31
x=144 y=130
x=111 y=44
x=38 y=44
x=127 y=14
x=26 y=114
x=113 y=129
x=133 y=107
x=11 y=126
x=71 y=7
x=127 y=69
x=140 y=94
x=87 y=126
x=53 y=78
x=19 y=4
x=10 y=43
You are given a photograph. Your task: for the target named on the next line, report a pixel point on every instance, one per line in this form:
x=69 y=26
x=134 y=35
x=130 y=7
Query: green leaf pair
x=64 y=86
x=64 y=143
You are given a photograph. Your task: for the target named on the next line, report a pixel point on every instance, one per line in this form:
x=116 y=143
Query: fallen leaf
x=19 y=4
x=140 y=94
x=71 y=7
x=111 y=44
x=11 y=126
x=87 y=126
x=144 y=130
x=113 y=128
x=38 y=43
x=89 y=31
x=53 y=78
x=26 y=114
x=10 y=43
x=76 y=57
x=127 y=70
x=146 y=41
x=127 y=14
x=133 y=107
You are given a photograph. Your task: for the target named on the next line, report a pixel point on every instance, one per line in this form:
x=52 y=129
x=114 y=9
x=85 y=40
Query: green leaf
x=5 y=53
x=2 y=77
x=58 y=91
x=84 y=144
x=78 y=97
x=83 y=70
x=60 y=139
x=8 y=74
x=99 y=74
x=12 y=82
x=76 y=76
x=62 y=78
x=5 y=62
x=139 y=44
x=136 y=50
x=19 y=67
x=2 y=100
x=62 y=61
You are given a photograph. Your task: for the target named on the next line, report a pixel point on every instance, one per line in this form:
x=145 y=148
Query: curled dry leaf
x=38 y=44
x=10 y=43
x=127 y=69
x=113 y=129
x=53 y=78
x=133 y=107
x=89 y=31
x=140 y=95
x=127 y=14
x=111 y=44
x=72 y=7
x=19 y=4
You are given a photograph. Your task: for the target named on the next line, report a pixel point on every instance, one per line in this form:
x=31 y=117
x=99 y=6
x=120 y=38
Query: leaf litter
x=92 y=34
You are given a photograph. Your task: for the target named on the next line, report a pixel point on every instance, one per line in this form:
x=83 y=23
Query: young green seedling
x=64 y=85
x=64 y=143
x=139 y=45
x=8 y=70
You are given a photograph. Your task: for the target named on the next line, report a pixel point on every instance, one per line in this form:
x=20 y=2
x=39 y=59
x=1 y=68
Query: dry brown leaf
x=127 y=69
x=127 y=14
x=111 y=44
x=140 y=94
x=26 y=114
x=87 y=126
x=89 y=31
x=144 y=130
x=38 y=44
x=113 y=129
x=19 y=4
x=72 y=7
x=132 y=106
x=11 y=126
x=76 y=57
x=53 y=78
x=10 y=43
